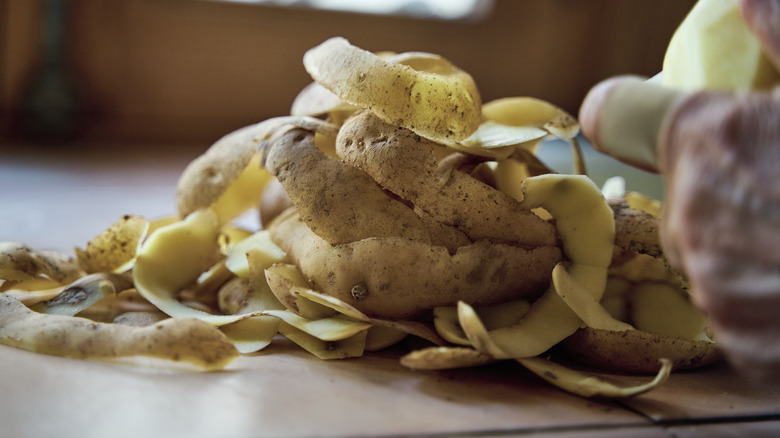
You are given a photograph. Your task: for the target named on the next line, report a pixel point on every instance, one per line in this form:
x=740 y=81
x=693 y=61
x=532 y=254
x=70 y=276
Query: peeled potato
x=713 y=48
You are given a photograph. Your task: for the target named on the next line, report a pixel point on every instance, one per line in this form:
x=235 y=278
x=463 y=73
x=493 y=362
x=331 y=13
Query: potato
x=714 y=49
x=393 y=287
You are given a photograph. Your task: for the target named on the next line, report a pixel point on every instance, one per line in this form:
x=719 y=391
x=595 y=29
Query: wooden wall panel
x=192 y=70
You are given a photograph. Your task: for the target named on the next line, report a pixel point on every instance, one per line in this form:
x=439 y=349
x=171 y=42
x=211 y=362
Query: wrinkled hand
x=719 y=154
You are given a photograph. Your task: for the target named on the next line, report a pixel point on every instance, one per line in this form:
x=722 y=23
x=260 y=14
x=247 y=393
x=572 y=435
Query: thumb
x=623 y=117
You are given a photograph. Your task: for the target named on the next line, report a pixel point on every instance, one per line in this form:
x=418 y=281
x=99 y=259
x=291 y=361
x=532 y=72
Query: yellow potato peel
x=83 y=293
x=253 y=334
x=285 y=281
x=443 y=104
x=586 y=227
x=185 y=340
x=445 y=319
x=583 y=303
x=242 y=194
x=266 y=253
x=583 y=219
x=114 y=249
x=173 y=257
x=19 y=262
x=334 y=328
x=353 y=346
x=442 y=358
x=585 y=385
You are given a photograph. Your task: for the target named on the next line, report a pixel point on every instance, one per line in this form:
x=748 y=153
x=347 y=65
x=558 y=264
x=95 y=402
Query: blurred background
x=189 y=71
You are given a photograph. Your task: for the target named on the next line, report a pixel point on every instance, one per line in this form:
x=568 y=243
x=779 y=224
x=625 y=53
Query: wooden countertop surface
x=60 y=197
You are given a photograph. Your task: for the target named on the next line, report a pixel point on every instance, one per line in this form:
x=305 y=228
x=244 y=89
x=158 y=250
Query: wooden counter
x=60 y=197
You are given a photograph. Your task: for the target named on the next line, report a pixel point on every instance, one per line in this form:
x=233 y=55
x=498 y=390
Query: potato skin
x=404 y=163
x=341 y=203
x=442 y=105
x=636 y=230
x=209 y=175
x=273 y=202
x=398 y=278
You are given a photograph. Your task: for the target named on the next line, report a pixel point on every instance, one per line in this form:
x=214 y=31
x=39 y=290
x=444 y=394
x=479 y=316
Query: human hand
x=719 y=154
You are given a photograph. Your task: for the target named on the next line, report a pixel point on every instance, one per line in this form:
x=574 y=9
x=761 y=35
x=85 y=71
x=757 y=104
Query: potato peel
x=585 y=305
x=443 y=104
x=20 y=262
x=266 y=254
x=353 y=346
x=442 y=358
x=172 y=258
x=83 y=293
x=228 y=177
x=585 y=385
x=586 y=226
x=335 y=328
x=114 y=249
x=186 y=340
x=316 y=305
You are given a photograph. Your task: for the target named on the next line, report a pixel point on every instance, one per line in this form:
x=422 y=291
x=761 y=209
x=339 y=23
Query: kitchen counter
x=60 y=197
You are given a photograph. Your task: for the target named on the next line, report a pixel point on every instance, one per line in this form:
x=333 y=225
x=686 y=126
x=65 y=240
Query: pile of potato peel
x=394 y=203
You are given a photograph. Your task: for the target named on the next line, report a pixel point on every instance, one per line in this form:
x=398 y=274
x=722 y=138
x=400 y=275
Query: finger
x=763 y=17
x=623 y=116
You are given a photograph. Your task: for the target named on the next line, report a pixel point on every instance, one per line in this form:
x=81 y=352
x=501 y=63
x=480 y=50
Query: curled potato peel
x=577 y=205
x=442 y=358
x=583 y=303
x=315 y=100
x=115 y=248
x=406 y=165
x=227 y=177
x=83 y=293
x=19 y=262
x=443 y=104
x=322 y=189
x=187 y=340
x=590 y=386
